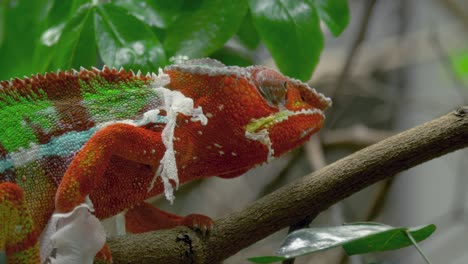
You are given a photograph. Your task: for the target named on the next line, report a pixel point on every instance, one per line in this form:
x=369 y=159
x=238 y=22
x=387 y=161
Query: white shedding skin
x=263 y=137
x=77 y=236
x=115 y=225
x=160 y=80
x=150 y=116
x=174 y=103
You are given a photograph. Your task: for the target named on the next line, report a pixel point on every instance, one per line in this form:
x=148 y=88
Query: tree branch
x=306 y=196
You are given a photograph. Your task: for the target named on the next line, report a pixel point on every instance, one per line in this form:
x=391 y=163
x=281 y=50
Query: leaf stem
x=417 y=247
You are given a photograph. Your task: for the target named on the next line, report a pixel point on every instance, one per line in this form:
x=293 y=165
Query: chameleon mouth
x=266 y=122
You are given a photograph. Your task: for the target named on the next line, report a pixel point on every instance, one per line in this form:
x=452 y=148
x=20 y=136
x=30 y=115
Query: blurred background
x=398 y=64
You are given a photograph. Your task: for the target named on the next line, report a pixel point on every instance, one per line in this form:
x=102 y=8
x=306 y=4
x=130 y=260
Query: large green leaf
x=123 y=40
x=57 y=15
x=247 y=33
x=356 y=238
x=3 y=9
x=159 y=13
x=391 y=239
x=76 y=46
x=19 y=31
x=266 y=259
x=335 y=13
x=203 y=27
x=291 y=31
x=232 y=57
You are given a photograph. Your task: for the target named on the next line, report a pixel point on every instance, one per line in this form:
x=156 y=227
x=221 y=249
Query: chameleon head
x=253 y=113
x=296 y=111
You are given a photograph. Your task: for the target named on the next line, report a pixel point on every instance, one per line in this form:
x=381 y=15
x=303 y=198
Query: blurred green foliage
x=460 y=65
x=47 y=35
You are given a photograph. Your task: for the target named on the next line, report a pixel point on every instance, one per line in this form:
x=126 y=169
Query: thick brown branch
x=307 y=196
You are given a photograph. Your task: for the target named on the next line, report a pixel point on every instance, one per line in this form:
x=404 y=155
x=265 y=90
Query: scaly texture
x=97 y=136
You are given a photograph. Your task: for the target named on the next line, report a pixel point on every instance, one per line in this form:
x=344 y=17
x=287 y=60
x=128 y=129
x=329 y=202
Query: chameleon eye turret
x=272 y=86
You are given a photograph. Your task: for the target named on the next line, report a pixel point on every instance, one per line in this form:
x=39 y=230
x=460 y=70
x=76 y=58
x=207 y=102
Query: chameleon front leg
x=145 y=217
x=18 y=237
x=93 y=167
x=85 y=173
x=141 y=217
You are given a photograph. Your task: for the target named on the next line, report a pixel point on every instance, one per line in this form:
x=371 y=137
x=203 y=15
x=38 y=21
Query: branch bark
x=306 y=196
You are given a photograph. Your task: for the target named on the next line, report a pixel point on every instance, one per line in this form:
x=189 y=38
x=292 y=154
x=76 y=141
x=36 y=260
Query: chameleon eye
x=271 y=85
x=275 y=95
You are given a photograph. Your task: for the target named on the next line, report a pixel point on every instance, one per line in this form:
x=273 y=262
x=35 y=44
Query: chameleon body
x=69 y=137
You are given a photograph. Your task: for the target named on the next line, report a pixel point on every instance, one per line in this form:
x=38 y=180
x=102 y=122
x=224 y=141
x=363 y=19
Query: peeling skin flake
x=115 y=225
x=77 y=236
x=174 y=103
x=263 y=137
x=160 y=80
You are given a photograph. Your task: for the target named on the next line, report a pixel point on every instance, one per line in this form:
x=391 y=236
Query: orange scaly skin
x=117 y=164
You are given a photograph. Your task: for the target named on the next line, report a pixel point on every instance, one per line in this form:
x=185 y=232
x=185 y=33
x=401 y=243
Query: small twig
x=279 y=180
x=380 y=199
x=354 y=48
x=314 y=153
x=357 y=135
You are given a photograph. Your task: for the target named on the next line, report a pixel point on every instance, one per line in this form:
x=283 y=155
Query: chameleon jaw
x=278 y=117
x=258 y=129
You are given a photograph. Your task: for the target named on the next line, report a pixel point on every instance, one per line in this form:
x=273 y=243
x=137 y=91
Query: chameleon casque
x=107 y=140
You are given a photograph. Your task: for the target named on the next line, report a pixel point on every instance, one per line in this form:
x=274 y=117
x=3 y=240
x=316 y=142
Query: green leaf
x=335 y=13
x=232 y=57
x=291 y=31
x=123 y=40
x=357 y=238
x=392 y=239
x=19 y=32
x=266 y=259
x=2 y=258
x=57 y=15
x=3 y=9
x=159 y=13
x=203 y=27
x=76 y=46
x=247 y=33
